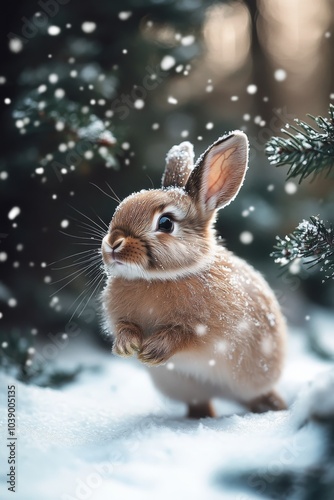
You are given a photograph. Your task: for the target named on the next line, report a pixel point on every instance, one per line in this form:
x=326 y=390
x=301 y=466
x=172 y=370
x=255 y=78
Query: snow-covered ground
x=111 y=435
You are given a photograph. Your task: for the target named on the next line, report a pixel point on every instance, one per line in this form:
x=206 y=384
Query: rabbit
x=204 y=321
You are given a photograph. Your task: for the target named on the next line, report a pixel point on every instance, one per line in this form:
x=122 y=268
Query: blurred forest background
x=97 y=92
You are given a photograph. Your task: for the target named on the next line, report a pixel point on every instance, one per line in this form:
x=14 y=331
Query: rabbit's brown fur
x=205 y=321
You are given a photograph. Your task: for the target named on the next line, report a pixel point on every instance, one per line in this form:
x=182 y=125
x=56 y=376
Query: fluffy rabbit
x=205 y=321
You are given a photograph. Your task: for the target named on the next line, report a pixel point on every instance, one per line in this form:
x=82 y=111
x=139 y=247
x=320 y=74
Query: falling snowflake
x=280 y=75
x=246 y=237
x=64 y=223
x=88 y=27
x=3 y=256
x=187 y=40
x=251 y=89
x=139 y=103
x=53 y=78
x=42 y=88
x=167 y=62
x=13 y=213
x=54 y=30
x=124 y=15
x=290 y=188
x=59 y=93
x=15 y=45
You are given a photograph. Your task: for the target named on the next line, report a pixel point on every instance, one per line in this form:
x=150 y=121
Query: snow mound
x=317 y=398
x=112 y=435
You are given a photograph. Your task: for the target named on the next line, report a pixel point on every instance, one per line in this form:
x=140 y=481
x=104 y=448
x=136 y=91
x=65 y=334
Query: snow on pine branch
x=306 y=150
x=312 y=242
x=71 y=130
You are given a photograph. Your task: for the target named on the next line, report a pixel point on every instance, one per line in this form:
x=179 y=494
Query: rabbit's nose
x=112 y=247
x=117 y=244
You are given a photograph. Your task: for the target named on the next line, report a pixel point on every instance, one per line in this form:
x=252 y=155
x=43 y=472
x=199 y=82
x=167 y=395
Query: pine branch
x=312 y=242
x=306 y=150
x=66 y=122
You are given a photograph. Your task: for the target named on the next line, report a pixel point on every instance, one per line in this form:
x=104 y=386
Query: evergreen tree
x=79 y=92
x=308 y=152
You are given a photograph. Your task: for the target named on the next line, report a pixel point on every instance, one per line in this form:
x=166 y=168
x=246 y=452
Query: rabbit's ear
x=219 y=172
x=179 y=164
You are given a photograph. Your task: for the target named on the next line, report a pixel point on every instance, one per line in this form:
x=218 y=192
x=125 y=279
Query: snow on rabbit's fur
x=166 y=274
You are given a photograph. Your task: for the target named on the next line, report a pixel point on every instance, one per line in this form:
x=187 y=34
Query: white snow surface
x=112 y=435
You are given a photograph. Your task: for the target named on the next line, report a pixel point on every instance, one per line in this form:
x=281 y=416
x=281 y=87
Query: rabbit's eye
x=165 y=224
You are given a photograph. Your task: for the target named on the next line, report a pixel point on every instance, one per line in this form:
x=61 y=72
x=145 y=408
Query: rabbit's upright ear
x=219 y=172
x=179 y=164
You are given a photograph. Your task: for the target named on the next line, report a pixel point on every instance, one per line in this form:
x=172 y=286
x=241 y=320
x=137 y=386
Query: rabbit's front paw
x=155 y=351
x=128 y=340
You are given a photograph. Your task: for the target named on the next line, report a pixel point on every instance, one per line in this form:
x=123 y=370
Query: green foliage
x=72 y=108
x=311 y=241
x=71 y=130
x=76 y=90
x=307 y=150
